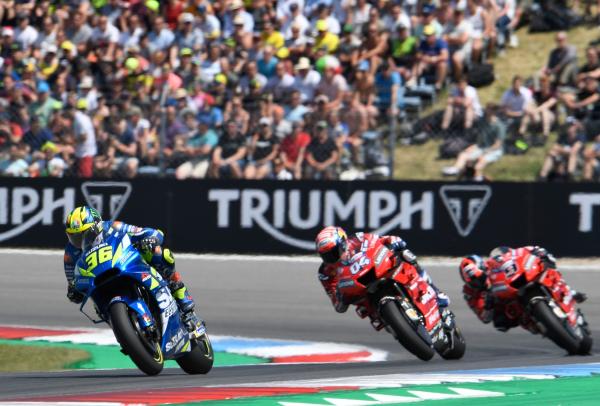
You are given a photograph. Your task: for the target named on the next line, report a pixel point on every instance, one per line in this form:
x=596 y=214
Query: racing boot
x=579 y=297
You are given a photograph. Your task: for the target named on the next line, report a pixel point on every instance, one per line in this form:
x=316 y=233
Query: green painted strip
x=110 y=356
x=547 y=392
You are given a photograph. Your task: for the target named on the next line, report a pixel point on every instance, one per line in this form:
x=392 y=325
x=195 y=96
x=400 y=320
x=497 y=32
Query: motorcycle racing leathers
x=328 y=273
x=149 y=242
x=488 y=307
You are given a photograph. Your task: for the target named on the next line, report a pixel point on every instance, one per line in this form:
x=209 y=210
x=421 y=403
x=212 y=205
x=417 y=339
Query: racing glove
x=147 y=244
x=546 y=257
x=73 y=294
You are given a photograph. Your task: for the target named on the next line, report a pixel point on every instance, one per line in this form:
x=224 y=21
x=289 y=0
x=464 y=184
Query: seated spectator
x=387 y=85
x=228 y=156
x=124 y=147
x=234 y=111
x=262 y=150
x=542 y=112
x=561 y=161
x=293 y=149
x=280 y=172
x=306 y=80
x=432 y=57
x=585 y=104
x=591 y=68
x=333 y=85
x=488 y=148
x=457 y=33
x=463 y=102
x=374 y=46
x=49 y=163
x=591 y=164
x=325 y=39
x=514 y=102
x=295 y=110
x=15 y=165
x=198 y=150
x=562 y=62
x=403 y=50
x=280 y=84
x=322 y=155
x=482 y=30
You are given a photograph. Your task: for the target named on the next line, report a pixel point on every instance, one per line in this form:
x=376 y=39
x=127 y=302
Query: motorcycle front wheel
x=404 y=331
x=129 y=337
x=200 y=358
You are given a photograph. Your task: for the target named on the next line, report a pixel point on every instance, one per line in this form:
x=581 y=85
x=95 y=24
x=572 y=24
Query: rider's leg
x=163 y=261
x=443 y=299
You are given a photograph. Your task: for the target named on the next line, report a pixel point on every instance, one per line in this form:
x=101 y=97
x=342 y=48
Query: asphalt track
x=265 y=298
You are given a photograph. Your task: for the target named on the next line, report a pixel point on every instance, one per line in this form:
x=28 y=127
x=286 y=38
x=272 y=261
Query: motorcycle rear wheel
x=129 y=338
x=555 y=330
x=405 y=333
x=200 y=359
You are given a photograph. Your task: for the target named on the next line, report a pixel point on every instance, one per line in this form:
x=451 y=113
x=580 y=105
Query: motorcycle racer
x=84 y=225
x=477 y=290
x=334 y=246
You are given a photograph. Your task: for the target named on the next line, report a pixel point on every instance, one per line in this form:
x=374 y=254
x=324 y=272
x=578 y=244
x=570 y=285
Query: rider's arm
x=137 y=234
x=479 y=302
x=70 y=259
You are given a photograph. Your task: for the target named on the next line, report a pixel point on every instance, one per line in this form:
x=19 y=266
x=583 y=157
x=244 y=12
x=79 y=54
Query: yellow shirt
x=276 y=39
x=329 y=40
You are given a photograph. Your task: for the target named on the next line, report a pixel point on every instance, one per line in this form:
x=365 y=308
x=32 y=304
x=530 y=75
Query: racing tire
x=200 y=358
x=131 y=342
x=555 y=330
x=460 y=346
x=404 y=331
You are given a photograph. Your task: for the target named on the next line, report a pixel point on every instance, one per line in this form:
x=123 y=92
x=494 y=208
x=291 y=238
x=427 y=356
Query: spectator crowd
x=224 y=88
x=285 y=89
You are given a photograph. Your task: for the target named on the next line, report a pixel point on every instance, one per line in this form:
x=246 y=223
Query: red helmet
x=331 y=244
x=473 y=271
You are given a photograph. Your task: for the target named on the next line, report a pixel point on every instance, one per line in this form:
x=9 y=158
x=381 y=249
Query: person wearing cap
x=427 y=18
x=188 y=36
x=271 y=37
x=321 y=154
x=235 y=9
x=306 y=79
x=324 y=38
x=293 y=148
x=86 y=91
x=198 y=149
x=403 y=52
x=43 y=107
x=432 y=57
x=51 y=165
x=323 y=12
x=262 y=150
x=457 y=33
x=49 y=63
x=228 y=156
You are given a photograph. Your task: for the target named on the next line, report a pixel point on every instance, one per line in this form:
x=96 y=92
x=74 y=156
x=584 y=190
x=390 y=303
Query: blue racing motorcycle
x=136 y=302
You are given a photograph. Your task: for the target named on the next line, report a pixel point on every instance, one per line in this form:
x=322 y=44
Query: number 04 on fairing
x=136 y=302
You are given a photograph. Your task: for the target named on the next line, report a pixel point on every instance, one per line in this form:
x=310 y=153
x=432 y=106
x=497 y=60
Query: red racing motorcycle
x=538 y=298
x=393 y=295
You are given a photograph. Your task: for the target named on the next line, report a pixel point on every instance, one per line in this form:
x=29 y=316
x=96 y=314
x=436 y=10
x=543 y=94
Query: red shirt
x=291 y=145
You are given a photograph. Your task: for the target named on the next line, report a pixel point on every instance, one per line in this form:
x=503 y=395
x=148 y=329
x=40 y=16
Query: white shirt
x=27 y=37
x=110 y=34
x=307 y=85
x=302 y=23
x=470 y=94
x=83 y=125
x=516 y=102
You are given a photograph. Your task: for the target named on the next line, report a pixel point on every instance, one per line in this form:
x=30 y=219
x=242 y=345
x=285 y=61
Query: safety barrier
x=278 y=217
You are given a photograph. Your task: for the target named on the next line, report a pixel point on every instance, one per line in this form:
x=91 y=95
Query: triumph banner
x=278 y=217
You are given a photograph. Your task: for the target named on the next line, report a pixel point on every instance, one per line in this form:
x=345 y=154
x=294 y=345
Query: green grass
x=21 y=358
x=421 y=163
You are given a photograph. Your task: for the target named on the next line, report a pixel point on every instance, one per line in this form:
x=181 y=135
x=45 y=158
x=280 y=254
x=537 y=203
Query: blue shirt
x=433 y=50
x=384 y=85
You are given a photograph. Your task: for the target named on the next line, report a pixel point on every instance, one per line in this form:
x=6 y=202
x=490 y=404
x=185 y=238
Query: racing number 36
x=98 y=257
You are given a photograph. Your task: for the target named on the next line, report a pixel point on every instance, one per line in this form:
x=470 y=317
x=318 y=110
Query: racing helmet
x=331 y=243
x=498 y=251
x=473 y=271
x=83 y=222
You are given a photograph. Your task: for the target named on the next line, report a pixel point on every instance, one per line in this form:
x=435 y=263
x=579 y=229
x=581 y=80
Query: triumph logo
x=381 y=211
x=22 y=208
x=107 y=197
x=465 y=203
